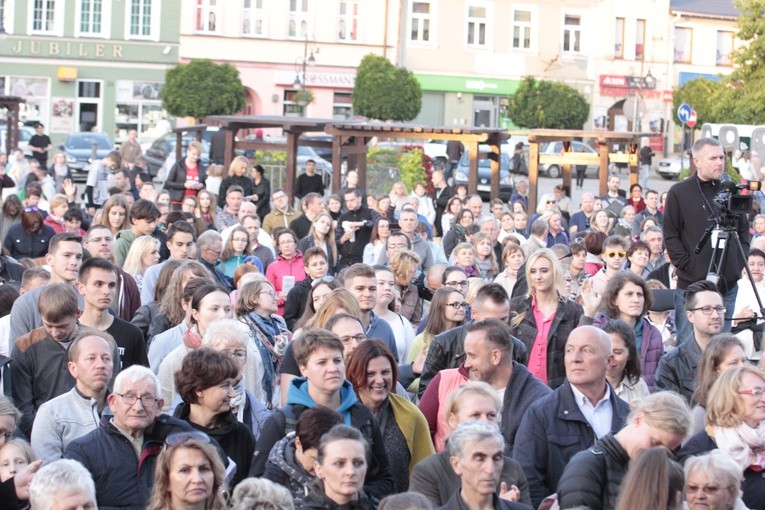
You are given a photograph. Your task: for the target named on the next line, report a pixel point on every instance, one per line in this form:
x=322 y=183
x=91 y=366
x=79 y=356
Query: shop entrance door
x=485 y=111
x=89 y=98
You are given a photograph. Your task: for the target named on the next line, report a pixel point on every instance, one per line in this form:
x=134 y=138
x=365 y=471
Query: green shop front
x=465 y=101
x=71 y=84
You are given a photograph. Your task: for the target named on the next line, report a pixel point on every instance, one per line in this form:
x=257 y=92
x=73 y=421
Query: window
x=207 y=16
x=291 y=108
x=522 y=29
x=640 y=39
x=724 y=48
x=572 y=33
x=619 y=38
x=342 y=105
x=141 y=24
x=477 y=20
x=298 y=27
x=253 y=18
x=683 y=44
x=348 y=20
x=44 y=16
x=420 y=21
x=93 y=18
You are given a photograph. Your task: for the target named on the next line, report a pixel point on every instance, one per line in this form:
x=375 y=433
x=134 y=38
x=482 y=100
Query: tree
x=385 y=92
x=547 y=104
x=201 y=88
x=705 y=96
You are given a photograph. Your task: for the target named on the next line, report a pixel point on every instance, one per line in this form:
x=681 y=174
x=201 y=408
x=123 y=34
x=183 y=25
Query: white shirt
x=600 y=415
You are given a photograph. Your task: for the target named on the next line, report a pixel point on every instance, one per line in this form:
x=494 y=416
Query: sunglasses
x=612 y=254
x=325 y=279
x=32 y=208
x=184 y=437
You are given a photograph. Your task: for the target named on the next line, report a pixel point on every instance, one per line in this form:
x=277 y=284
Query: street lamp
x=308 y=59
x=639 y=83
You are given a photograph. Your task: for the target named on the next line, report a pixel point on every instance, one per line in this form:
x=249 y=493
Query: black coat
x=552 y=431
x=176 y=179
x=263 y=191
x=22 y=244
x=593 y=477
x=677 y=369
x=121 y=480
x=317 y=499
x=567 y=317
x=237 y=180
x=753 y=486
x=296 y=302
x=447 y=350
x=456 y=503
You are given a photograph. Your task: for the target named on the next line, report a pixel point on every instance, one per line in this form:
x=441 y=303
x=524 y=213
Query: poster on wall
x=36 y=94
x=129 y=90
x=62 y=115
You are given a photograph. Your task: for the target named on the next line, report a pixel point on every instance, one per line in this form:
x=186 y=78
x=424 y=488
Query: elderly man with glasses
x=122 y=453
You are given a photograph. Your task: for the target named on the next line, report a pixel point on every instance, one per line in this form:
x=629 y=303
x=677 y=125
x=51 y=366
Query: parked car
x=554 y=170
x=484 y=172
x=25 y=134
x=79 y=150
x=157 y=153
x=671 y=167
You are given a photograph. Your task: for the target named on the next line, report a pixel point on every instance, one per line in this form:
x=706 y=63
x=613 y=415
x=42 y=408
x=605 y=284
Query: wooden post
x=291 y=168
x=603 y=166
x=534 y=175
x=495 y=156
x=472 y=167
x=228 y=154
x=337 y=160
x=632 y=150
x=361 y=161
x=566 y=167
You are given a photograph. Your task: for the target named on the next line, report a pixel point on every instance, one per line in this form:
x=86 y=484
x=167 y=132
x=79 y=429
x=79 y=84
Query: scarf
x=264 y=342
x=239 y=400
x=745 y=445
x=625 y=224
x=191 y=338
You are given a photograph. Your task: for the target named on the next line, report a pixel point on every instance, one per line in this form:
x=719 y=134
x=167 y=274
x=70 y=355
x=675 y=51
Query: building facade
x=84 y=65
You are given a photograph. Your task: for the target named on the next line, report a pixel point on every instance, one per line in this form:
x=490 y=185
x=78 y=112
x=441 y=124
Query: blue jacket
x=378 y=482
x=122 y=479
x=552 y=431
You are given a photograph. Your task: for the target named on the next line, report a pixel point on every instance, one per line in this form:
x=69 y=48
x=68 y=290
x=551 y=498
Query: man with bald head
x=475 y=204
x=571 y=418
x=580 y=220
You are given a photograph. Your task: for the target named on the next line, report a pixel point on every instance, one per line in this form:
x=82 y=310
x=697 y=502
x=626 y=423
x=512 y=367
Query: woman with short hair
x=238 y=175
x=713 y=482
x=734 y=425
x=205 y=382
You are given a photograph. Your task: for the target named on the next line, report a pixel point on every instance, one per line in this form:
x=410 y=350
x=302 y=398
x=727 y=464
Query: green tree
x=704 y=95
x=201 y=88
x=547 y=104
x=385 y=92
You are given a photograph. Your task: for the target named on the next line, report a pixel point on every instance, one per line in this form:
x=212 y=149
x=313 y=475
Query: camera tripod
x=727 y=235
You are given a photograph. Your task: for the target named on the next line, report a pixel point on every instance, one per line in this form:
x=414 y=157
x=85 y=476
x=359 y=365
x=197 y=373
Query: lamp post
x=308 y=59
x=640 y=83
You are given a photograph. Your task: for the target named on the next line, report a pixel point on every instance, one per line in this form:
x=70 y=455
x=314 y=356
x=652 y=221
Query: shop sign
x=39 y=48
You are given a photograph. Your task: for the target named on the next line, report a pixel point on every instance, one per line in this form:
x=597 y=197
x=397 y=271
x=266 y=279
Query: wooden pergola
x=350 y=139
x=12 y=104
x=605 y=140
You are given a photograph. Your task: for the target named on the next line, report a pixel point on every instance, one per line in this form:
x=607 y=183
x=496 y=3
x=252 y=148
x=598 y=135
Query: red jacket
x=56 y=226
x=282 y=267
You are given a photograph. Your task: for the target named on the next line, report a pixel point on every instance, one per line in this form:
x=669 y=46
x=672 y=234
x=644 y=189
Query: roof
x=714 y=8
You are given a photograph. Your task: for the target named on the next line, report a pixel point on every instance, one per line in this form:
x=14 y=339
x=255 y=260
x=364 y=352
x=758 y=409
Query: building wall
x=107 y=81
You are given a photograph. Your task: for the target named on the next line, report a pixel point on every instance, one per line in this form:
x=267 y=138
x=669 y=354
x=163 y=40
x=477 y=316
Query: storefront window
x=291 y=108
x=342 y=105
x=138 y=107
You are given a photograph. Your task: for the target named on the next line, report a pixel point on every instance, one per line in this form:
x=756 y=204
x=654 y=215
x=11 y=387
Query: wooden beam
x=603 y=165
x=361 y=161
x=336 y=162
x=291 y=167
x=495 y=155
x=472 y=148
x=228 y=154
x=534 y=176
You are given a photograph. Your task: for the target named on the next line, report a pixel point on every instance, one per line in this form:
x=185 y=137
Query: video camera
x=732 y=202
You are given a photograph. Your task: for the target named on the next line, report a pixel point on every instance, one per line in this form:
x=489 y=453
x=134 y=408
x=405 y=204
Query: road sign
x=692 y=119
x=684 y=112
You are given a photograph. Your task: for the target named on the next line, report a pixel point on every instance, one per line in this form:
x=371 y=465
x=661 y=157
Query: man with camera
x=691 y=208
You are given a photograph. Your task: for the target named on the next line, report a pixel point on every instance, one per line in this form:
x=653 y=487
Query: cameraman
x=689 y=210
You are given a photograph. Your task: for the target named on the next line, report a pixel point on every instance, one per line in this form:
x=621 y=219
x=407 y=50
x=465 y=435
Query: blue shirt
x=381 y=330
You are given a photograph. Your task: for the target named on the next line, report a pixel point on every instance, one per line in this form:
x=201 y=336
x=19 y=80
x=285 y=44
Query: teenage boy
x=180 y=243
x=614 y=255
x=97 y=286
x=316 y=267
x=143 y=222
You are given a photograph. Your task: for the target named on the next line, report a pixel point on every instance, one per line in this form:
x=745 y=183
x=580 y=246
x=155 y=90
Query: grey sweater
x=25 y=314
x=61 y=421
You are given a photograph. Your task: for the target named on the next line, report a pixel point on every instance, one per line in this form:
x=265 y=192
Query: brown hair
x=311 y=341
x=58 y=302
x=339 y=299
x=714 y=354
x=358 y=361
x=201 y=369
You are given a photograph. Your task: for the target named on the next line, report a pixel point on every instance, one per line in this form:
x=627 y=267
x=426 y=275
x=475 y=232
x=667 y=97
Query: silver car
x=671 y=167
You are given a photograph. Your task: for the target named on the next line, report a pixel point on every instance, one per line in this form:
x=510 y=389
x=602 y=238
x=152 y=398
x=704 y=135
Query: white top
x=600 y=415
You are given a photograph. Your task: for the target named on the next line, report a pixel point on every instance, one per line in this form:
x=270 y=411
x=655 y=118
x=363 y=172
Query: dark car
x=163 y=146
x=80 y=148
x=484 y=172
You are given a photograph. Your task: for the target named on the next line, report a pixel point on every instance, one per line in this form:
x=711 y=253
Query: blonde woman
x=398 y=196
x=485 y=258
x=322 y=235
x=238 y=175
x=59 y=205
x=404 y=265
x=543 y=307
x=114 y=214
x=144 y=253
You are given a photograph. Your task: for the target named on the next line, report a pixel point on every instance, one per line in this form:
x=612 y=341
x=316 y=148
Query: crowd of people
x=211 y=346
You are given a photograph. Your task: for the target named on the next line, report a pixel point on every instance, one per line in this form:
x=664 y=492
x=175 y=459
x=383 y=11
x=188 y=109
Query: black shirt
x=309 y=184
x=40 y=142
x=130 y=343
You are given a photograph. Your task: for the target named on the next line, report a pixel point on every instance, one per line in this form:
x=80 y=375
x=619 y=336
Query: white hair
x=60 y=478
x=135 y=374
x=225 y=331
x=472 y=431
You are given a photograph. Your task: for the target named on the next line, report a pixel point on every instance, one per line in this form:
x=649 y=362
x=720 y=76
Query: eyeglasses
x=184 y=437
x=399 y=246
x=755 y=392
x=707 y=310
x=5 y=435
x=552 y=201
x=31 y=208
x=463 y=283
x=146 y=401
x=565 y=256
x=325 y=279
x=612 y=254
x=269 y=292
x=358 y=338
x=239 y=354
x=709 y=490
x=457 y=306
